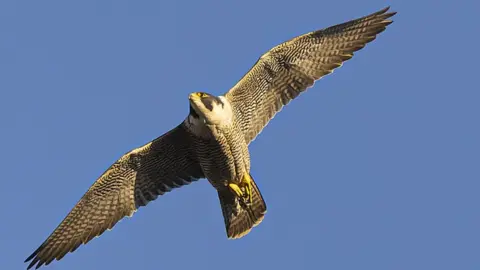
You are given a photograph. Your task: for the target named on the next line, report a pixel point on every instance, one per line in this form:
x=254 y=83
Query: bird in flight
x=212 y=142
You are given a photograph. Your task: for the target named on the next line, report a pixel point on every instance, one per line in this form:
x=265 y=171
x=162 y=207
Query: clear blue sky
x=376 y=167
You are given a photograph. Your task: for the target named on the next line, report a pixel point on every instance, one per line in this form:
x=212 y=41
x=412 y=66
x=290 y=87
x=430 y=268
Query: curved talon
x=248 y=187
x=235 y=188
x=244 y=189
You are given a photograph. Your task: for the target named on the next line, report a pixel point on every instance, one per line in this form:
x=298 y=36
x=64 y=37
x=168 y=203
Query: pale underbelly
x=223 y=160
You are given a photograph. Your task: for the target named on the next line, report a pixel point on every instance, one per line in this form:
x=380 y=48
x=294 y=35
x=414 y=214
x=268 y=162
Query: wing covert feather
x=137 y=178
x=288 y=69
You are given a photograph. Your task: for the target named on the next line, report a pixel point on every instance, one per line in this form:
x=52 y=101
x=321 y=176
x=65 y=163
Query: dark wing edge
x=137 y=178
x=288 y=69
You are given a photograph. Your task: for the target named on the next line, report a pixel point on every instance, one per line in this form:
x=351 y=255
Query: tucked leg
x=244 y=188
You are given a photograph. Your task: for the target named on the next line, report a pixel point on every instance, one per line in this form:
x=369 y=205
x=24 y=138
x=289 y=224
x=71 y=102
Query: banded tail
x=239 y=217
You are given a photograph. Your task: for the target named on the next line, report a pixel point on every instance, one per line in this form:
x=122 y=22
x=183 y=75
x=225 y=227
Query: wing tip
x=29 y=258
x=35 y=260
x=383 y=13
x=33 y=256
x=384 y=10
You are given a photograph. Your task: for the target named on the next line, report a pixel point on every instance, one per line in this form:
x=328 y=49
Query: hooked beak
x=193 y=97
x=193 y=100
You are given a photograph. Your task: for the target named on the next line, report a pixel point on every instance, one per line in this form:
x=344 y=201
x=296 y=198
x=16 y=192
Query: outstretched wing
x=290 y=68
x=135 y=179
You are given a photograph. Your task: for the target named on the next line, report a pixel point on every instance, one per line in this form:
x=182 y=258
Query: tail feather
x=239 y=217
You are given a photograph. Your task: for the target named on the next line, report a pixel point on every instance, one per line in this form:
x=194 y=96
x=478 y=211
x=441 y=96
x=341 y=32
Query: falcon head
x=210 y=109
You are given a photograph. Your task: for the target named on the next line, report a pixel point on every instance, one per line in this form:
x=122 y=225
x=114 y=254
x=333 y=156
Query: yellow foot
x=235 y=188
x=244 y=188
x=248 y=188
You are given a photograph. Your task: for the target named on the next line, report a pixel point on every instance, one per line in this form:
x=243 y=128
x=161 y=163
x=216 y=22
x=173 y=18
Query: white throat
x=219 y=116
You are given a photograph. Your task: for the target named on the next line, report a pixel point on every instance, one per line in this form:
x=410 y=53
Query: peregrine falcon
x=212 y=142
